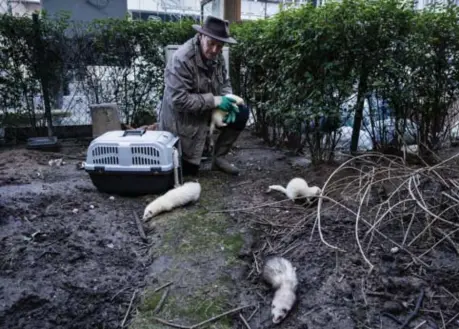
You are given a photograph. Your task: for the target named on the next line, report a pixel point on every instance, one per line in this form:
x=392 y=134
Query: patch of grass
x=150 y=301
x=193 y=229
x=197 y=231
x=211 y=193
x=203 y=247
x=204 y=303
x=233 y=243
x=200 y=307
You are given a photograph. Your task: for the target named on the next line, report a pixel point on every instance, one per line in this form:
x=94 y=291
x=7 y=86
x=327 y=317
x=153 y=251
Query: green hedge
x=302 y=64
x=42 y=56
x=294 y=69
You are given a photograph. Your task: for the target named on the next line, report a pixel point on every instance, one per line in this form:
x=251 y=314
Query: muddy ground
x=71 y=257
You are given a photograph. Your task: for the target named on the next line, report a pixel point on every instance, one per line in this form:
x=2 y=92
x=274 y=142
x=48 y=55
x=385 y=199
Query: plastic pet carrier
x=134 y=162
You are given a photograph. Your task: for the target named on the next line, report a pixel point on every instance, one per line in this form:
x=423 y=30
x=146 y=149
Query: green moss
x=198 y=231
x=196 y=240
x=150 y=301
x=233 y=243
x=200 y=308
x=204 y=303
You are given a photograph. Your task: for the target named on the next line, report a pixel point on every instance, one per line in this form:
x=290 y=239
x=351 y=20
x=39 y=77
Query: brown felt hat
x=215 y=28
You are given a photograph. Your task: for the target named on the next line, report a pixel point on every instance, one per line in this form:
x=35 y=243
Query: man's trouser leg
x=226 y=139
x=189 y=169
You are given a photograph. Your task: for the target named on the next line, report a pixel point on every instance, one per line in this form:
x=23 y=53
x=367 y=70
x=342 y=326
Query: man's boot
x=223 y=145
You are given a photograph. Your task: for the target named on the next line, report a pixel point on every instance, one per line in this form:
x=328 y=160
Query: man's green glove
x=226 y=104
x=230 y=118
x=239 y=100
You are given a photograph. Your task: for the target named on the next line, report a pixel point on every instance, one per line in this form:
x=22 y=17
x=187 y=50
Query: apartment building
x=159 y=9
x=19 y=7
x=142 y=9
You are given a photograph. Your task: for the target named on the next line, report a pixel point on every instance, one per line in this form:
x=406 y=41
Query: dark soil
x=336 y=291
x=66 y=269
x=61 y=269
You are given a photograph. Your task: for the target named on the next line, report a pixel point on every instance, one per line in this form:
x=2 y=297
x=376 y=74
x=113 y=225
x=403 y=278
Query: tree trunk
x=362 y=89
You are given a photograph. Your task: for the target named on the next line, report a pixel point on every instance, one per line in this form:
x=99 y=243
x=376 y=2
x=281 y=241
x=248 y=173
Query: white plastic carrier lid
x=162 y=137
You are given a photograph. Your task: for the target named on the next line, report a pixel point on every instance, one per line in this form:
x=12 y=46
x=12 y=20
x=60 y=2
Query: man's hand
x=231 y=117
x=237 y=99
x=226 y=104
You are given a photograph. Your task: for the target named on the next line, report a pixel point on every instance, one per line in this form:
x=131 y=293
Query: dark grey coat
x=188 y=99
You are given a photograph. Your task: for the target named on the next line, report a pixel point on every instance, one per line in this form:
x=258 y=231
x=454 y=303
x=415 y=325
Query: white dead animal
x=281 y=275
x=218 y=116
x=179 y=196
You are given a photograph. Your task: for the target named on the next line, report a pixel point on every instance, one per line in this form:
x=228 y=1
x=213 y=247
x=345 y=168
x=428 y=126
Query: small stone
x=394 y=250
x=392 y=307
x=300 y=162
x=91 y=206
x=112 y=198
x=75 y=210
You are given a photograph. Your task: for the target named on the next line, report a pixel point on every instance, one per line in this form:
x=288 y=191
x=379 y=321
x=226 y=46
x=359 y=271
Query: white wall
x=420 y=4
x=87 y=10
x=249 y=9
x=20 y=7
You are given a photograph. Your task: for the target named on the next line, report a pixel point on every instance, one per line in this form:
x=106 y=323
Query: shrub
x=298 y=69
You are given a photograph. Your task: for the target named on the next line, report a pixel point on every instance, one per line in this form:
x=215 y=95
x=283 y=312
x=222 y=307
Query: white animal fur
x=297 y=188
x=218 y=116
x=179 y=196
x=281 y=275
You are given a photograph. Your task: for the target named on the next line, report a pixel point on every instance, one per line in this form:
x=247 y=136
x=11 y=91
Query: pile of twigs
x=415 y=209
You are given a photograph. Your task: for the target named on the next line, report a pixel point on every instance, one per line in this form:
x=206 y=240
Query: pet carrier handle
x=137 y=132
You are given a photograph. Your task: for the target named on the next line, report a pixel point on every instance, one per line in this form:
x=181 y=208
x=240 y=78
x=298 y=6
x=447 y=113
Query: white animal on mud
x=297 y=188
x=179 y=196
x=281 y=275
x=219 y=115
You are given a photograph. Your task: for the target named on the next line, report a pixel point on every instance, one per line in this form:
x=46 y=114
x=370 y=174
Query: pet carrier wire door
x=133 y=161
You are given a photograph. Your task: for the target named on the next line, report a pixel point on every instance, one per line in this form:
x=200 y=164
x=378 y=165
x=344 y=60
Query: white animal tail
x=216 y=121
x=176 y=166
x=212 y=128
x=278 y=188
x=211 y=133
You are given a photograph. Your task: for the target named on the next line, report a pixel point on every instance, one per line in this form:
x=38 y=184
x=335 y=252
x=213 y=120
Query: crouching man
x=195 y=84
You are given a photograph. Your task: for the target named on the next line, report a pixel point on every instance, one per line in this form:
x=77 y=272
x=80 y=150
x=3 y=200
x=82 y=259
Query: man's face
x=210 y=47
